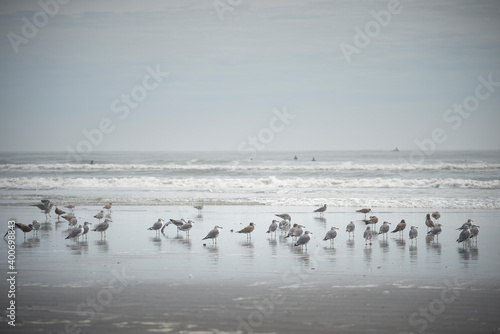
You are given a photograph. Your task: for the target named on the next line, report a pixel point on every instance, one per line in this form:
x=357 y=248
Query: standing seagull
x=297 y=232
x=365 y=211
x=474 y=231
x=284 y=225
x=464 y=235
x=435 y=231
x=36 y=226
x=400 y=227
x=68 y=217
x=468 y=224
x=367 y=235
x=372 y=220
x=436 y=215
x=331 y=235
x=350 y=228
x=248 y=230
x=100 y=215
x=285 y=216
x=198 y=207
x=108 y=206
x=413 y=232
x=273 y=227
x=73 y=221
x=59 y=212
x=156 y=226
x=321 y=210
x=25 y=228
x=86 y=229
x=304 y=239
x=384 y=228
x=70 y=206
x=213 y=234
x=102 y=227
x=186 y=227
x=76 y=233
x=428 y=222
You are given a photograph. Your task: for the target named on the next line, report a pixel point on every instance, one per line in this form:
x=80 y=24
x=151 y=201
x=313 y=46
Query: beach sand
x=133 y=281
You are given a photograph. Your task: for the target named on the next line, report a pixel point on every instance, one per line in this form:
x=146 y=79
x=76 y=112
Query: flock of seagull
x=468 y=231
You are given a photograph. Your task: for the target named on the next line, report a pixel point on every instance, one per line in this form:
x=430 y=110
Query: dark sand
x=228 y=307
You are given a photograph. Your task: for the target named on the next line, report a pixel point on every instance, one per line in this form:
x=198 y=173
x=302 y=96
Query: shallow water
x=171 y=258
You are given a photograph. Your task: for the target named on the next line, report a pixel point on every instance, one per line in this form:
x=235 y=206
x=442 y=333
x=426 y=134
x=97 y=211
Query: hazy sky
x=88 y=64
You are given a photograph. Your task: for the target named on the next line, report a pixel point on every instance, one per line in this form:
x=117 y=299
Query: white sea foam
x=249 y=166
x=220 y=184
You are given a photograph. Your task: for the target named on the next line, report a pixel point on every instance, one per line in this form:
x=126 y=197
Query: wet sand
x=229 y=307
x=133 y=281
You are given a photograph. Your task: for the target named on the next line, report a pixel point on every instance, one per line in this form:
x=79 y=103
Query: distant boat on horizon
x=395 y=149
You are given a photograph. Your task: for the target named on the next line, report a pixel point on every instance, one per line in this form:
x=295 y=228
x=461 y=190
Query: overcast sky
x=228 y=71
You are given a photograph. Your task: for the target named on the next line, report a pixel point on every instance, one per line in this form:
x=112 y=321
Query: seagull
x=435 y=231
x=428 y=222
x=400 y=227
x=45 y=206
x=468 y=224
x=248 y=230
x=331 y=235
x=464 y=235
x=59 y=212
x=367 y=235
x=36 y=226
x=436 y=215
x=156 y=226
x=413 y=232
x=22 y=227
x=102 y=227
x=474 y=231
x=285 y=216
x=70 y=206
x=365 y=211
x=292 y=230
x=186 y=227
x=297 y=232
x=86 y=229
x=384 y=228
x=177 y=223
x=372 y=220
x=73 y=221
x=350 y=228
x=213 y=234
x=273 y=227
x=100 y=215
x=284 y=225
x=304 y=239
x=321 y=210
x=76 y=233
x=68 y=217
x=198 y=207
x=108 y=206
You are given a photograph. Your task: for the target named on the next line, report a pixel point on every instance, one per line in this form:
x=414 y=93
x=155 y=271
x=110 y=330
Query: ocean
x=447 y=179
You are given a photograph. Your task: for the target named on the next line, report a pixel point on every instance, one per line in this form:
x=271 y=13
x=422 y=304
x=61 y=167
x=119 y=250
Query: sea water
x=443 y=179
